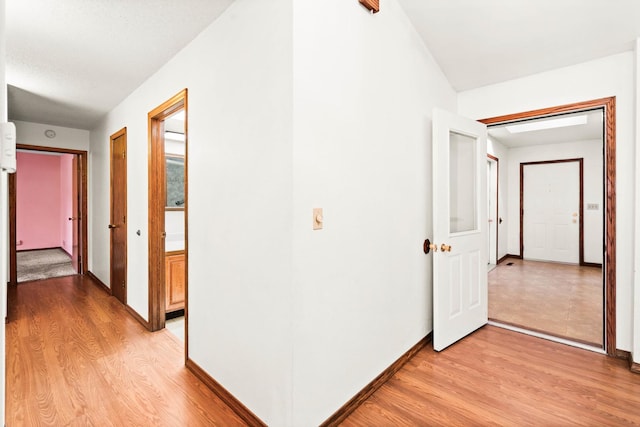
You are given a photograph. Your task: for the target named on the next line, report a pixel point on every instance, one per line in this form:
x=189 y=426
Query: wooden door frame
x=82 y=188
x=580 y=162
x=112 y=138
x=496 y=160
x=157 y=201
x=609 y=107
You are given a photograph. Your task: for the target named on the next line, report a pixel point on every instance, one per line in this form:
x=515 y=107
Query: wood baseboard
x=591 y=264
x=99 y=282
x=130 y=310
x=626 y=355
x=341 y=414
x=243 y=412
x=507 y=256
x=137 y=316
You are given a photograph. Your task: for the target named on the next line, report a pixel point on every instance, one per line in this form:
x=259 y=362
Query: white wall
x=636 y=234
x=4 y=207
x=591 y=152
x=496 y=149
x=33 y=134
x=239 y=75
x=364 y=89
x=610 y=76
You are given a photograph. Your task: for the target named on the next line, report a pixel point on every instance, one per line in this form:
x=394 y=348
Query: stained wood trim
x=591 y=264
x=99 y=282
x=341 y=414
x=372 y=5
x=13 y=258
x=84 y=194
x=580 y=207
x=157 y=202
x=609 y=106
x=243 y=412
x=108 y=290
x=137 y=316
x=169 y=253
x=503 y=259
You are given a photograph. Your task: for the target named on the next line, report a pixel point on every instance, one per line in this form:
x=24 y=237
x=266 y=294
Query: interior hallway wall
x=605 y=77
x=364 y=90
x=238 y=72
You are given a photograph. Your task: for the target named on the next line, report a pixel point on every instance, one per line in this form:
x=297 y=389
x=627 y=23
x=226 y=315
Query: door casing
x=609 y=107
x=81 y=173
x=157 y=202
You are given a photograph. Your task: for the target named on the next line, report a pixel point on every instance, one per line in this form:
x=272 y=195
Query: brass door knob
x=428 y=246
x=445 y=248
x=112 y=226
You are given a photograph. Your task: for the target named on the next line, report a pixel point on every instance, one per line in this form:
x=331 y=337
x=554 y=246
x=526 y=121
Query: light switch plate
x=318 y=218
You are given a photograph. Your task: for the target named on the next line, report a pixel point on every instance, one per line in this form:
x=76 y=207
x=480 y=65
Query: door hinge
x=123 y=284
x=124 y=155
x=124 y=219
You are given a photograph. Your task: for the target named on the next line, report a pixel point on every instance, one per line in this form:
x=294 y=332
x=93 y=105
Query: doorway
x=69 y=241
x=118 y=215
x=605 y=291
x=168 y=213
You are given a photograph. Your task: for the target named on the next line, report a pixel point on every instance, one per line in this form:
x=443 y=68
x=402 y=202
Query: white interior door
x=459 y=221
x=551 y=206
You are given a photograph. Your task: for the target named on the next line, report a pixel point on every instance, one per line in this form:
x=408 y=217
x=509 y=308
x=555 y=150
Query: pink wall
x=39 y=220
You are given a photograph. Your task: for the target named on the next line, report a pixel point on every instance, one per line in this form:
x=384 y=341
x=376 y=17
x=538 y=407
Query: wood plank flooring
x=500 y=377
x=75 y=357
x=557 y=299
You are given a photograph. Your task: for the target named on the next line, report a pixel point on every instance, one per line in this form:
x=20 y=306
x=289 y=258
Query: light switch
x=318 y=218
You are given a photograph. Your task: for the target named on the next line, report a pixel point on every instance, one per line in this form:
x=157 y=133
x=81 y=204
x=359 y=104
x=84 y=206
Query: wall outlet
x=593 y=206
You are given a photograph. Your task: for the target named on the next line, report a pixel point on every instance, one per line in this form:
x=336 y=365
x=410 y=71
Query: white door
x=459 y=227
x=551 y=211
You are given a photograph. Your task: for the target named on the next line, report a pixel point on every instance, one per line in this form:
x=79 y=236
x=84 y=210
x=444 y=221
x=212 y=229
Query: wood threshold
x=230 y=400
x=609 y=107
x=341 y=414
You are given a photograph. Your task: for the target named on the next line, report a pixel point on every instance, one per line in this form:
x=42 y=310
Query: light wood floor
x=75 y=357
x=500 y=377
x=558 y=299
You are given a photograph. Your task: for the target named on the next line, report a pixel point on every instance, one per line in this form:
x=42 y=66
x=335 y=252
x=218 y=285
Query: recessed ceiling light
x=547 y=124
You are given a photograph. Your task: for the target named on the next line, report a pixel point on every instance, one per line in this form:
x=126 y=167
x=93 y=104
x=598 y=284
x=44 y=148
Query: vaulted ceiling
x=71 y=61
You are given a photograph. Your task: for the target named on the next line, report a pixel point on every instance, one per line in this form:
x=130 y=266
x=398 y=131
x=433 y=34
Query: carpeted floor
x=43 y=264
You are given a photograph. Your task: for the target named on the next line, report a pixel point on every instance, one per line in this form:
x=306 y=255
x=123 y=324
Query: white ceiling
x=71 y=61
x=480 y=42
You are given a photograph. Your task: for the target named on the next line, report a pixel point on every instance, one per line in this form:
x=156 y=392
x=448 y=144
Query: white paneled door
x=551 y=211
x=459 y=227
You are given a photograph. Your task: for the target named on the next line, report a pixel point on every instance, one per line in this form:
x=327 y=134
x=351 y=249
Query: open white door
x=459 y=227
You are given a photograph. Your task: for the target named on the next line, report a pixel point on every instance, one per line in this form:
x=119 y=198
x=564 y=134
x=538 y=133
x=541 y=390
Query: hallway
x=76 y=357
